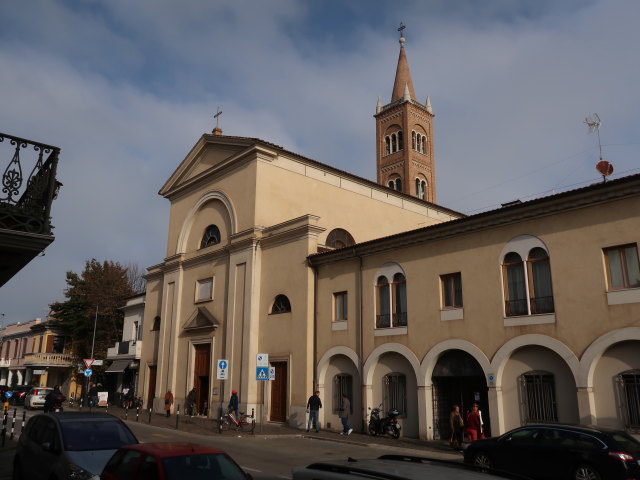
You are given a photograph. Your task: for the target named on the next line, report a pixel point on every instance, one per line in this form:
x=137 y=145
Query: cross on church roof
x=401 y=28
x=218 y=113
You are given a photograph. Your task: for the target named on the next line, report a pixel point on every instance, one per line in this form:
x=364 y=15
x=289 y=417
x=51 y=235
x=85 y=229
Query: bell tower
x=404 y=137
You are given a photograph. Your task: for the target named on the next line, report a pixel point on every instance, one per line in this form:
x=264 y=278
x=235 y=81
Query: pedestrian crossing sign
x=262 y=373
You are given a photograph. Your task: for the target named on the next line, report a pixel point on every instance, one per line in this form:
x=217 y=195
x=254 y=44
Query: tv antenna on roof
x=603 y=167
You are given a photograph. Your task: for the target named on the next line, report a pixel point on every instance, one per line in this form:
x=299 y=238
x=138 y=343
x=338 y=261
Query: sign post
x=262 y=375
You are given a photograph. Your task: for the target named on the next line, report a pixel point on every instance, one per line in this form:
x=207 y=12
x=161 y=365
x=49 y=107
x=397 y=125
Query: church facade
x=532 y=310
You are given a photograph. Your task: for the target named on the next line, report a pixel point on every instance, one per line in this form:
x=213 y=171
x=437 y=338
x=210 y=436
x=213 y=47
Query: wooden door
x=151 y=391
x=201 y=372
x=279 y=393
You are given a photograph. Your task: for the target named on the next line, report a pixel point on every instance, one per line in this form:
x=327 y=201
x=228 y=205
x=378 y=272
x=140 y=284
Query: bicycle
x=229 y=421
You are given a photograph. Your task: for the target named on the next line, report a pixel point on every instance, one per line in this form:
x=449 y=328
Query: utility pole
x=93 y=343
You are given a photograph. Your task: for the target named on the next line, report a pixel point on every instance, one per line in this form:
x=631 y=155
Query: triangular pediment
x=208 y=154
x=201 y=318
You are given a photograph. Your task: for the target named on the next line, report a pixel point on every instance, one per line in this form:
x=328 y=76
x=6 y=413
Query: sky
x=126 y=87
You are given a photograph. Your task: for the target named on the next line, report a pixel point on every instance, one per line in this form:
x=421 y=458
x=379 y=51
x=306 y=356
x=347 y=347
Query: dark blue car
x=556 y=451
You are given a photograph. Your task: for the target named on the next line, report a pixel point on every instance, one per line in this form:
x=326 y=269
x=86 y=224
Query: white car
x=35 y=397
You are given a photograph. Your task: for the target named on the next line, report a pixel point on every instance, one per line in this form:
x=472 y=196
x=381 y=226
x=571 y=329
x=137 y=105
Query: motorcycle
x=384 y=426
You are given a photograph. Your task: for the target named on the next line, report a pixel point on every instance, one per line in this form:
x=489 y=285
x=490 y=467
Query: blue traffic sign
x=262 y=373
x=8 y=394
x=88 y=372
x=222 y=364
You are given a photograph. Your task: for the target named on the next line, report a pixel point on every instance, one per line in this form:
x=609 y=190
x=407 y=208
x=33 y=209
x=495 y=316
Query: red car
x=171 y=461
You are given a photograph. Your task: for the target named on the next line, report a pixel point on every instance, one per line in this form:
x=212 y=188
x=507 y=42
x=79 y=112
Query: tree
x=103 y=285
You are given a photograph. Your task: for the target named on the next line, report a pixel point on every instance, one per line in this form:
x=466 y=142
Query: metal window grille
x=395 y=393
x=629 y=383
x=538 y=396
x=342 y=383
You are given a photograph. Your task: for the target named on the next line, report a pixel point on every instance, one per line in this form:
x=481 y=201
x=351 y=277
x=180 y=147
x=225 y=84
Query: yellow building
x=373 y=290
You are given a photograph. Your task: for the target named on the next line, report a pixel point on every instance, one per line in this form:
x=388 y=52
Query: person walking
x=93 y=395
x=313 y=409
x=456 y=423
x=473 y=423
x=234 y=402
x=343 y=414
x=191 y=402
x=168 y=401
x=53 y=397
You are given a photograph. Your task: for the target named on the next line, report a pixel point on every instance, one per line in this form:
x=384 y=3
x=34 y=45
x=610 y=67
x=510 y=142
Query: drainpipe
x=360 y=340
x=315 y=324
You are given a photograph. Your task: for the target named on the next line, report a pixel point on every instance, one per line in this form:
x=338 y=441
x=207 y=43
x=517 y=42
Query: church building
x=531 y=310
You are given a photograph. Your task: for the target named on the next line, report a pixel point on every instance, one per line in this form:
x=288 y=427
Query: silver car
x=36 y=396
x=394 y=467
x=66 y=446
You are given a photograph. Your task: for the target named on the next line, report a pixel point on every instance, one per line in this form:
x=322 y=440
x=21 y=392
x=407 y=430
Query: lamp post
x=93 y=343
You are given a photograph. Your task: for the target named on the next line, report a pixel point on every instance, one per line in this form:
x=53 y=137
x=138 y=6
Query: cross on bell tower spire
x=217 y=130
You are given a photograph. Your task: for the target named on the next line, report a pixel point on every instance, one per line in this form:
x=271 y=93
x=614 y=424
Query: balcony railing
x=28 y=185
x=542 y=305
x=516 y=307
x=48 y=359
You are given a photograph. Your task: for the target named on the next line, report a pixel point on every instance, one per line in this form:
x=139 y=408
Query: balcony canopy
x=118 y=366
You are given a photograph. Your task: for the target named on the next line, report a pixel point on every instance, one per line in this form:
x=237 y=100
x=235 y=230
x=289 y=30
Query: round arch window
x=211 y=236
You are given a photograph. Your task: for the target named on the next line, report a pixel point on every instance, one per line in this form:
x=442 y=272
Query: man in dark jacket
x=313 y=409
x=53 y=397
x=234 y=402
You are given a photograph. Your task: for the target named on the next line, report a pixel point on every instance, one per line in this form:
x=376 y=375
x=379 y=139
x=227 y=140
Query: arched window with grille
x=383 y=317
x=538 y=397
x=413 y=139
x=421 y=188
x=211 y=236
x=540 y=289
x=394 y=143
x=342 y=383
x=514 y=284
x=399 y=301
x=281 y=304
x=395 y=393
x=400 y=141
x=526 y=272
x=387 y=145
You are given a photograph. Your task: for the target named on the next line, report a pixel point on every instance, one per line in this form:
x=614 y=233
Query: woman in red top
x=473 y=423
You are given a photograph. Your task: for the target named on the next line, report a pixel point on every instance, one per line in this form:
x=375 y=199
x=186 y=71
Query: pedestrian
x=93 y=395
x=168 y=401
x=234 y=401
x=191 y=402
x=457 y=424
x=473 y=423
x=313 y=409
x=343 y=414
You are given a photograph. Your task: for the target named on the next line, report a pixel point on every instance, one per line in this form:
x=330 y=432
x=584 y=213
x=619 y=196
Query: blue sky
x=125 y=88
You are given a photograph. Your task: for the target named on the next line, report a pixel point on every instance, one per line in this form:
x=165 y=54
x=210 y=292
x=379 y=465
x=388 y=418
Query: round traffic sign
x=88 y=372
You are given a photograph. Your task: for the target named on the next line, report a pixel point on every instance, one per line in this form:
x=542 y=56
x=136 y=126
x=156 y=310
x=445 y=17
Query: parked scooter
x=384 y=426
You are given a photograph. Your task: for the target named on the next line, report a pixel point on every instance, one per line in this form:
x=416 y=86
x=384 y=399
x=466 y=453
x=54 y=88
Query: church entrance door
x=202 y=370
x=279 y=393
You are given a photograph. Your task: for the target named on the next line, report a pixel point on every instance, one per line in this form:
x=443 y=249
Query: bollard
x=126 y=412
x=4 y=425
x=137 y=412
x=13 y=423
x=177 y=416
x=149 y=414
x=107 y=408
x=24 y=419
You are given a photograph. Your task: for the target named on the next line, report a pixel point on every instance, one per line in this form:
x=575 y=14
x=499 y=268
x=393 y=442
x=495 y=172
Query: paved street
x=270 y=453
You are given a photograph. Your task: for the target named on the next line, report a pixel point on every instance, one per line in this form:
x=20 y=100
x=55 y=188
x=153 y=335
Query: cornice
x=539 y=208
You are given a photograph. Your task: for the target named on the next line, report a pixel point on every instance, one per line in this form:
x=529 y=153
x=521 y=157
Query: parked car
x=396 y=467
x=70 y=445
x=19 y=394
x=557 y=451
x=35 y=397
x=171 y=461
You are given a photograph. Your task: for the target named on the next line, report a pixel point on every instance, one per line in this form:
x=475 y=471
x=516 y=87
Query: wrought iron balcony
x=48 y=359
x=28 y=187
x=25 y=200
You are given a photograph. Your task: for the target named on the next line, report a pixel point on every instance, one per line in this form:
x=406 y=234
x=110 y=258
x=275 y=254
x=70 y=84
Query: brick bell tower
x=404 y=137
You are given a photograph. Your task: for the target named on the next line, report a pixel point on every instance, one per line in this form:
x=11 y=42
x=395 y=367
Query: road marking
x=161 y=435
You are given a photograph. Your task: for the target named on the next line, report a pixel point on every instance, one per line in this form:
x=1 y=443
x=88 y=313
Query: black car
x=18 y=394
x=557 y=451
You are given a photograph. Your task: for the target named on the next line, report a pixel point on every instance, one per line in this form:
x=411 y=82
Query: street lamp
x=93 y=343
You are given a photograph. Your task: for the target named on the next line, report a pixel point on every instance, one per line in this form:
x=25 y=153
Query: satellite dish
x=604 y=168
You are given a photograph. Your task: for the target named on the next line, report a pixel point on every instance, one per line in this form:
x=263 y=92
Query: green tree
x=104 y=286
